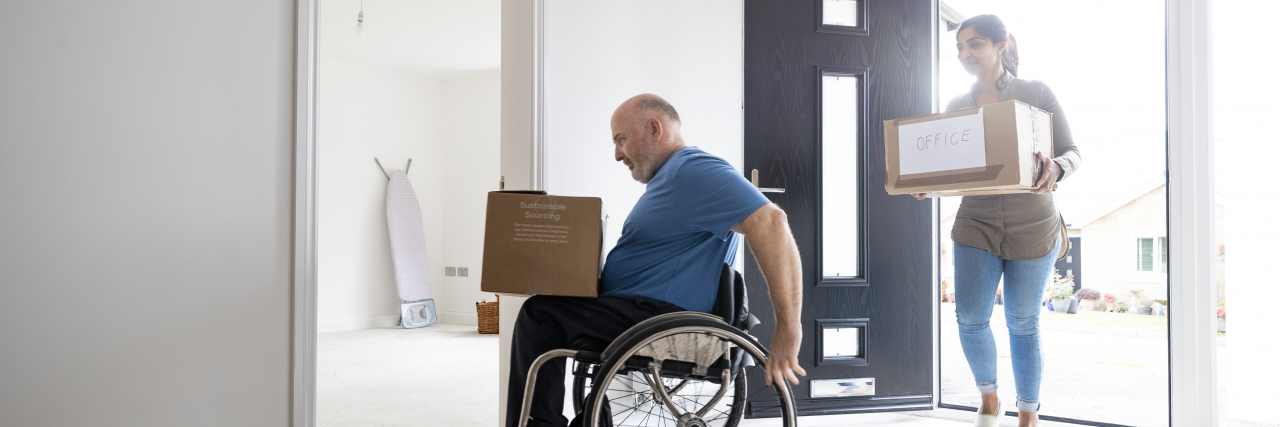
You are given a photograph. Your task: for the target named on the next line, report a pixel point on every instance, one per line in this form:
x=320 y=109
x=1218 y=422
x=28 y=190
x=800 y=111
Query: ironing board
x=409 y=253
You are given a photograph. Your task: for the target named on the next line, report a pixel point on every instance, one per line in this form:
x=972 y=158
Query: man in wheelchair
x=668 y=259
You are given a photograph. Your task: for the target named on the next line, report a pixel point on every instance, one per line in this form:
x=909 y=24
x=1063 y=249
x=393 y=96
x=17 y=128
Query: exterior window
x=1153 y=254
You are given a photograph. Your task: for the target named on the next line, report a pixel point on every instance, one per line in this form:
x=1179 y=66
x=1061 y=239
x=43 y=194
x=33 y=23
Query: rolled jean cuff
x=985 y=388
x=1028 y=406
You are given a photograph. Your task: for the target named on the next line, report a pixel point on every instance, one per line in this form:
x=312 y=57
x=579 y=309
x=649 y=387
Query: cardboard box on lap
x=535 y=243
x=973 y=151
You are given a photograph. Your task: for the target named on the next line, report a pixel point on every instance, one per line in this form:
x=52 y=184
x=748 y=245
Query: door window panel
x=842 y=13
x=840 y=219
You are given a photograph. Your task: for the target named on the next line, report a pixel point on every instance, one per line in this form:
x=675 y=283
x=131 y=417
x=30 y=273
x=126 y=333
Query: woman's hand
x=1049 y=173
x=920 y=196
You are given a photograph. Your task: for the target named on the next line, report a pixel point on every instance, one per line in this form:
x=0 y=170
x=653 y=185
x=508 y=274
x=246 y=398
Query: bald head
x=646 y=130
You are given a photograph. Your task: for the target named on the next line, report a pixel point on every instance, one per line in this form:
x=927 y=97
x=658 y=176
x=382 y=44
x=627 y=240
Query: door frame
x=302 y=366
x=1191 y=192
x=1193 y=382
x=1193 y=350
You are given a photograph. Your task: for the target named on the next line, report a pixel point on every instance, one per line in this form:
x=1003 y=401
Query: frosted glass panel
x=840 y=176
x=840 y=341
x=843 y=13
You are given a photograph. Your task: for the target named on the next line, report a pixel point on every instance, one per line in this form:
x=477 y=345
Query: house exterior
x=1121 y=244
x=1124 y=245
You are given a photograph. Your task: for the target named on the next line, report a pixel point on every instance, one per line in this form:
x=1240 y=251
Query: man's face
x=633 y=146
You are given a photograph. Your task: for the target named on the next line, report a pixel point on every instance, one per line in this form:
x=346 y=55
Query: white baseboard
x=354 y=323
x=458 y=317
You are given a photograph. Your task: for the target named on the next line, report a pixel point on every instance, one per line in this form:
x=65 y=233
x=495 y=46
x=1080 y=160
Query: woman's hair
x=991 y=27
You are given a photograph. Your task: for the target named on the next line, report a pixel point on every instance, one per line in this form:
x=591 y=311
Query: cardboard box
x=973 y=151
x=540 y=244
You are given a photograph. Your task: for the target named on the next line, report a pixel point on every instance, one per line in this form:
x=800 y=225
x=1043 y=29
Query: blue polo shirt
x=678 y=235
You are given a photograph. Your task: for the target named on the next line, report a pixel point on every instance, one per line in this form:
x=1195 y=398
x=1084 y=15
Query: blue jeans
x=978 y=274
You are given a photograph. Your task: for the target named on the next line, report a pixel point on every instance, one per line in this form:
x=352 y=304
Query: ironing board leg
x=427 y=312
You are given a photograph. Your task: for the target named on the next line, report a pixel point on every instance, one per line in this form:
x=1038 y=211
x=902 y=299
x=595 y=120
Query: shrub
x=1086 y=293
x=1121 y=307
x=1108 y=298
x=1222 y=311
x=1146 y=302
x=1062 y=287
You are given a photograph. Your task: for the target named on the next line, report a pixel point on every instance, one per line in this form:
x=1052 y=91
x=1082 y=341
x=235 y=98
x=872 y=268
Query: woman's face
x=976 y=53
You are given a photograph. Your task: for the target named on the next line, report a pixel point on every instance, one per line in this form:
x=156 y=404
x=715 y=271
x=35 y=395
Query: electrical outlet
x=450 y=271
x=462 y=271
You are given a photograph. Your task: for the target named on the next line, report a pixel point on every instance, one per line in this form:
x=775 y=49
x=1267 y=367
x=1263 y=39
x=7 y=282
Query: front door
x=821 y=76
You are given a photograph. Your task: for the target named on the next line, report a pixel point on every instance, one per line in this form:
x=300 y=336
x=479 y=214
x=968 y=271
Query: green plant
x=1121 y=307
x=1146 y=302
x=1062 y=287
x=1162 y=302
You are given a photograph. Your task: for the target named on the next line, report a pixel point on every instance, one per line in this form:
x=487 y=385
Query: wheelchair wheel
x=628 y=376
x=632 y=403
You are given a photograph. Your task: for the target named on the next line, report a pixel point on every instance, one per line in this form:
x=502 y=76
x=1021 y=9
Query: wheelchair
x=683 y=369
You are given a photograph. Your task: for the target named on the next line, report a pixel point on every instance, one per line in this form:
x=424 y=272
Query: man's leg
x=549 y=322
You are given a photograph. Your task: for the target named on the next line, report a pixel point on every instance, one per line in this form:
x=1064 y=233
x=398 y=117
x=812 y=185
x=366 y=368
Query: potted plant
x=1088 y=298
x=1110 y=301
x=1144 y=305
x=1222 y=318
x=1061 y=292
x=1121 y=307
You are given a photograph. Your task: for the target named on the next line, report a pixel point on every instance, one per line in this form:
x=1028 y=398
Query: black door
x=1070 y=266
x=819 y=84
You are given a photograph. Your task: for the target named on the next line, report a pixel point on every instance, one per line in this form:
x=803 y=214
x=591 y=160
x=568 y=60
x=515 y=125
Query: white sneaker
x=985 y=420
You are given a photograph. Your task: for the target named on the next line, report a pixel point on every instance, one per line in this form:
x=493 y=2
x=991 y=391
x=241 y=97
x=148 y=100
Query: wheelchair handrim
x=782 y=390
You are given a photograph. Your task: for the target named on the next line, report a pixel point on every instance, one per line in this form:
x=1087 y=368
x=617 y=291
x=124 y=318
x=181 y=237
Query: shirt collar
x=1004 y=80
x=1003 y=83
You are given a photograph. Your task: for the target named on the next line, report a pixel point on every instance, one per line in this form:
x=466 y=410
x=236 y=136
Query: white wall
x=367 y=112
x=146 y=212
x=687 y=52
x=598 y=54
x=471 y=112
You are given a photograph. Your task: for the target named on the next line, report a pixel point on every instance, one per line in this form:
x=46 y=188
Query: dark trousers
x=550 y=322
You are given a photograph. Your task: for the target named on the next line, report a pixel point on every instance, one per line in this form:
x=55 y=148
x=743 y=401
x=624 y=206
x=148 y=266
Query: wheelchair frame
x=683 y=338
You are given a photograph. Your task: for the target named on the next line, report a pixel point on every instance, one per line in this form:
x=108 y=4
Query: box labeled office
x=988 y=149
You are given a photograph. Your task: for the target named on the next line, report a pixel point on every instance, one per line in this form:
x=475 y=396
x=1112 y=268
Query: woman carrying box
x=1017 y=236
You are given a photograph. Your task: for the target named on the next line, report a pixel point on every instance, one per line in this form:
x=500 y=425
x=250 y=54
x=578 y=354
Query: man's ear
x=655 y=128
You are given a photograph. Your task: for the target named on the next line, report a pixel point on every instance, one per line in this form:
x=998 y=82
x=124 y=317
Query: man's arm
x=770 y=239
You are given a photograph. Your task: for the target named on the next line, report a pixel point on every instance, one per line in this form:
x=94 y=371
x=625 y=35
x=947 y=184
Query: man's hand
x=769 y=237
x=1049 y=173
x=784 y=363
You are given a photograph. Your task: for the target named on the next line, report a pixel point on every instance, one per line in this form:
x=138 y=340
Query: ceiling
x=438 y=37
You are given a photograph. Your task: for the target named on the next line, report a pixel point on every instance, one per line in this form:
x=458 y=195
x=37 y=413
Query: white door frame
x=1193 y=385
x=302 y=412
x=1192 y=335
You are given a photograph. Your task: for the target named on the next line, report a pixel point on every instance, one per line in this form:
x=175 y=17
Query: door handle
x=755 y=181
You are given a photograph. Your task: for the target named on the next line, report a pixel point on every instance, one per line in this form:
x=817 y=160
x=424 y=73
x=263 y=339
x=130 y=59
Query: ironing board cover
x=408 y=242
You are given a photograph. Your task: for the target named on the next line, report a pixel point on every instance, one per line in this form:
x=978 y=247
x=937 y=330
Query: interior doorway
x=389 y=89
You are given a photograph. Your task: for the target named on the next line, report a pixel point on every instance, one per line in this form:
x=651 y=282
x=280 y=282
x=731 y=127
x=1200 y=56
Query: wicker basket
x=488 y=314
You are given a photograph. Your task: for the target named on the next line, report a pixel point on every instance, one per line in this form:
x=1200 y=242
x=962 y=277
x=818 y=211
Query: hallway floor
x=446 y=375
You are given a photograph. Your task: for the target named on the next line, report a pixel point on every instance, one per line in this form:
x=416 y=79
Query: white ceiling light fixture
x=360 y=20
